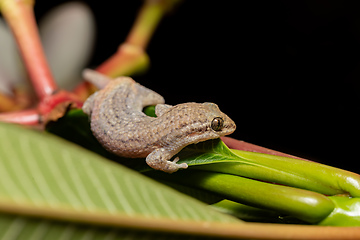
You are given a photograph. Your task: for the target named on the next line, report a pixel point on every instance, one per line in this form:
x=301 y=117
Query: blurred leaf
x=48 y=184
x=25 y=228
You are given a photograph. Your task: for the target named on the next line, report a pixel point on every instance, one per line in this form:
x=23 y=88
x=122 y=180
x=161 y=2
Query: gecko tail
x=98 y=79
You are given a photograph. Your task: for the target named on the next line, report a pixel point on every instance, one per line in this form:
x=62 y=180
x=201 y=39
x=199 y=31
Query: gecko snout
x=229 y=126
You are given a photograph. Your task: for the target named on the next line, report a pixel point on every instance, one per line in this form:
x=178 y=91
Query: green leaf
x=214 y=156
x=150 y=111
x=47 y=183
x=208 y=152
x=75 y=127
x=223 y=171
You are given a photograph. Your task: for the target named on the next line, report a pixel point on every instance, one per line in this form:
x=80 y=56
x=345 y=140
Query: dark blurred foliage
x=287 y=72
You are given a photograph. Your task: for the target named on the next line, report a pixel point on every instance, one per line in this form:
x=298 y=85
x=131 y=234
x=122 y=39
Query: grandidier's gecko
x=118 y=123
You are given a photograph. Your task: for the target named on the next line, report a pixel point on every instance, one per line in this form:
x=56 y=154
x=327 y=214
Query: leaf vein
x=100 y=190
x=80 y=188
x=60 y=179
x=38 y=177
x=122 y=199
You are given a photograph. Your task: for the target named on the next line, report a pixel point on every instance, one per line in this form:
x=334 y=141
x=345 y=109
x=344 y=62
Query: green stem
x=253 y=214
x=305 y=205
x=131 y=56
x=297 y=173
x=147 y=21
x=282 y=170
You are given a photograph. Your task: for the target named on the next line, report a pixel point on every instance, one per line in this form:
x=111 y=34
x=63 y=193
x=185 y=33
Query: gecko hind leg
x=159 y=160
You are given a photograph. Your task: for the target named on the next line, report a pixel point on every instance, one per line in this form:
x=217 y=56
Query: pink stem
x=20 y=16
x=245 y=146
x=26 y=117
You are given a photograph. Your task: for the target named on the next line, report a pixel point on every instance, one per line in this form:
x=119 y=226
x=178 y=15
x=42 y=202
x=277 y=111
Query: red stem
x=20 y=16
x=26 y=117
x=245 y=146
x=123 y=62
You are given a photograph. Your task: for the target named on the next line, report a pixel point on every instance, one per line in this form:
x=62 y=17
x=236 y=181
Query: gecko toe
x=181 y=165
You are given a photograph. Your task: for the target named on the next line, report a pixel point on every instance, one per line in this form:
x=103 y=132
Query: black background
x=287 y=72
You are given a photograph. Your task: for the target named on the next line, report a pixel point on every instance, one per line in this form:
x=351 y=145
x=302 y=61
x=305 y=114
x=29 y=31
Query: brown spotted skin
x=118 y=123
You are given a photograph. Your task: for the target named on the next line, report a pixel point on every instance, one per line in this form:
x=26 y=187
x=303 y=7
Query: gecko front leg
x=159 y=160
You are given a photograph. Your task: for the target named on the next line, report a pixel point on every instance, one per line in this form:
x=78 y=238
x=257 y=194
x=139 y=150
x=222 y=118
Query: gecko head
x=219 y=124
x=197 y=122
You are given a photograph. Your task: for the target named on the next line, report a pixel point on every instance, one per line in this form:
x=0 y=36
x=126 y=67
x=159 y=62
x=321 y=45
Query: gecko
x=119 y=124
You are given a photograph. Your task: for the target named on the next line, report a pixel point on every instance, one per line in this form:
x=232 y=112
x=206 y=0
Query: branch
x=131 y=56
x=20 y=17
x=25 y=117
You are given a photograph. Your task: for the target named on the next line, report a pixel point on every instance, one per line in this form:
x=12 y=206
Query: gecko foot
x=156 y=160
x=181 y=165
x=172 y=166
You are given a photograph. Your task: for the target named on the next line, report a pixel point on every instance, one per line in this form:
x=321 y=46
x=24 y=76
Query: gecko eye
x=217 y=123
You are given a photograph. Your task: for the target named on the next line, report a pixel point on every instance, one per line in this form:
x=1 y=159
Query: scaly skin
x=118 y=123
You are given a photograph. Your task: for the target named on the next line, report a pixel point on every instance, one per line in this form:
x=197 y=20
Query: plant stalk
x=149 y=17
x=306 y=205
x=25 y=117
x=19 y=15
x=131 y=57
